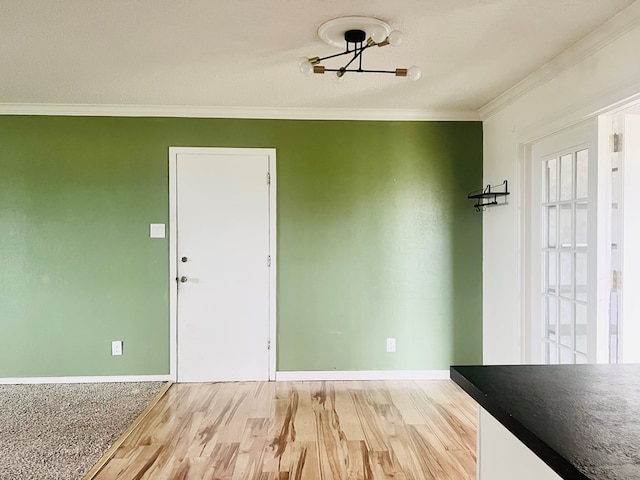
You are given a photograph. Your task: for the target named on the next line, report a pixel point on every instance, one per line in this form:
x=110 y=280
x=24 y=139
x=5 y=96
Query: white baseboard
x=280 y=377
x=105 y=379
x=363 y=375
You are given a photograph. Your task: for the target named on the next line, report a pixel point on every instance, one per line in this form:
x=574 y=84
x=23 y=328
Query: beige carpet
x=60 y=431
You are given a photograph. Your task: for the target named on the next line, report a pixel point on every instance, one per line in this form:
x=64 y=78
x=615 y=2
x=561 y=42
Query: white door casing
x=625 y=163
x=222 y=241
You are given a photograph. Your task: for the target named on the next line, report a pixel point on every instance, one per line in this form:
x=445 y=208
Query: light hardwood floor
x=405 y=430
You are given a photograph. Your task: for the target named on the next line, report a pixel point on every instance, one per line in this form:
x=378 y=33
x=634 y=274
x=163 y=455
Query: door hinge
x=268 y=178
x=615 y=141
x=269 y=344
x=268 y=260
x=616 y=280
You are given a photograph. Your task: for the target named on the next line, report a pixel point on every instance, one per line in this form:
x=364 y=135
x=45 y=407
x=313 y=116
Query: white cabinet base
x=501 y=456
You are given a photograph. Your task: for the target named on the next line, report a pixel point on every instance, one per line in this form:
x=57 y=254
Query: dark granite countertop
x=581 y=420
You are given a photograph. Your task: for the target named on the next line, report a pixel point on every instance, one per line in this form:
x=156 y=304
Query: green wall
x=376 y=239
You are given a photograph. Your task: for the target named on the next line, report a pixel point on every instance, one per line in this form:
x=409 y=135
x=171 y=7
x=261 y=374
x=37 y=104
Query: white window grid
x=564 y=290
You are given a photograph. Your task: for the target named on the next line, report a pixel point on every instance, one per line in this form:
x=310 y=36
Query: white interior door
x=222 y=220
x=564 y=248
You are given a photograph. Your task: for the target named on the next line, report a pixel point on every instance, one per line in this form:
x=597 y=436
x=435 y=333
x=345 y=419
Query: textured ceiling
x=244 y=53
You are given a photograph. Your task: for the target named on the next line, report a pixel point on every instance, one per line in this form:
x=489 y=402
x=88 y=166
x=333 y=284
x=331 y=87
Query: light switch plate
x=157 y=230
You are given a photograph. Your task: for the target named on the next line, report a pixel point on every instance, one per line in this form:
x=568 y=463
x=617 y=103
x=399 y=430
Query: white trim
x=173 y=251
x=338 y=375
x=602 y=36
x=614 y=99
x=600 y=229
x=478 y=443
x=100 y=379
x=173 y=266
x=273 y=279
x=235 y=112
x=523 y=186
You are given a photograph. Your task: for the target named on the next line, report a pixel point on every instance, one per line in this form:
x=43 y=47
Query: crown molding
x=608 y=32
x=81 y=110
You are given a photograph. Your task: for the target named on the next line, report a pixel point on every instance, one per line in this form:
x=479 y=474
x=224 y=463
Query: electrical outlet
x=116 y=347
x=391 y=345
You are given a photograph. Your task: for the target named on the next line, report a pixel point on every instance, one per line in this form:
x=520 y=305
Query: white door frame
x=173 y=251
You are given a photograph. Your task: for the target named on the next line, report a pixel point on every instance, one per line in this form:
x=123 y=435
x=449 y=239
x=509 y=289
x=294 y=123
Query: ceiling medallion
x=355 y=35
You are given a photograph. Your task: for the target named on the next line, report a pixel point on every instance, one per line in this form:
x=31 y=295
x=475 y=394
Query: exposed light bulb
x=378 y=34
x=302 y=60
x=414 y=73
x=306 y=68
x=338 y=78
x=395 y=38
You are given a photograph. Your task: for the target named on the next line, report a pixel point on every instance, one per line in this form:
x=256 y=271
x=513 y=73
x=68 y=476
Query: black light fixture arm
x=320 y=59
x=357 y=54
x=355 y=37
x=362 y=70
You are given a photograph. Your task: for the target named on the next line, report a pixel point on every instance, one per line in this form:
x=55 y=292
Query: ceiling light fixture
x=359 y=34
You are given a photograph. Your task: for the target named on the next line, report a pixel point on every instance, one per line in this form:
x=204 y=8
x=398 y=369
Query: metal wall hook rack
x=488 y=196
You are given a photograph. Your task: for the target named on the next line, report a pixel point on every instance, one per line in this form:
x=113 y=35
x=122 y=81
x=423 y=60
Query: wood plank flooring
x=405 y=430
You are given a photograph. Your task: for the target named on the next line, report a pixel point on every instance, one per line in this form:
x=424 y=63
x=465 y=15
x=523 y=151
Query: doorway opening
x=579 y=182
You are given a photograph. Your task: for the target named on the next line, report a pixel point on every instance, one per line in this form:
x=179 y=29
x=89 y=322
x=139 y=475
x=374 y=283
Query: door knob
x=184 y=259
x=183 y=279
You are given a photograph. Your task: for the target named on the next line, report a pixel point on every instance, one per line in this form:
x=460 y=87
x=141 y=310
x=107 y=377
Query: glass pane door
x=562 y=277
x=565 y=206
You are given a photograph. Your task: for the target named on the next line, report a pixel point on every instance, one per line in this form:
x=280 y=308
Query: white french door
x=563 y=247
